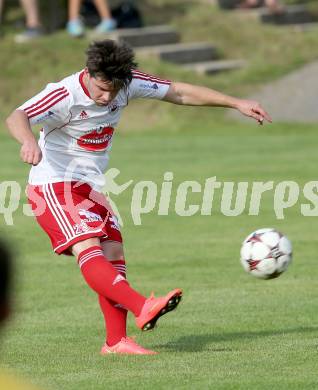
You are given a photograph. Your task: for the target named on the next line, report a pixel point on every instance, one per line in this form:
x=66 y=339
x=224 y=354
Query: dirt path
x=293 y=98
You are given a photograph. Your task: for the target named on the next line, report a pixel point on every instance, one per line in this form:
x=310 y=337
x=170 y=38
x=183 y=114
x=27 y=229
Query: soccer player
x=79 y=115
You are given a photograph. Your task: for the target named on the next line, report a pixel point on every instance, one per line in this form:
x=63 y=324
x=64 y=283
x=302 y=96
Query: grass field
x=231 y=331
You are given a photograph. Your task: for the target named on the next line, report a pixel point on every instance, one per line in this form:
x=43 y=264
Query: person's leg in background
x=33 y=24
x=107 y=22
x=75 y=26
x=1 y=11
x=274 y=6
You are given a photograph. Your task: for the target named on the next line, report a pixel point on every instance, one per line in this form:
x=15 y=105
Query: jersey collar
x=81 y=76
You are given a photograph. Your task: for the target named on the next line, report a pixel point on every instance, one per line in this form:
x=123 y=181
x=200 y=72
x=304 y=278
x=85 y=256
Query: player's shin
x=115 y=315
x=104 y=279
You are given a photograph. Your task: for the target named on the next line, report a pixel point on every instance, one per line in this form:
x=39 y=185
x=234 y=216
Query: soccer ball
x=266 y=253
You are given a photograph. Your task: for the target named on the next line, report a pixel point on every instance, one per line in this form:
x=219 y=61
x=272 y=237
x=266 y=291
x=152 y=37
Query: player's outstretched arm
x=19 y=127
x=193 y=95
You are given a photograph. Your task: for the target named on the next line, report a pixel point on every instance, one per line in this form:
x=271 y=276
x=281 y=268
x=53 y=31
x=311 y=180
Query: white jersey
x=77 y=133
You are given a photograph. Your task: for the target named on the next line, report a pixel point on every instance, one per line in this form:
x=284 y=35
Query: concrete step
x=182 y=53
x=301 y=27
x=146 y=36
x=213 y=67
x=295 y=14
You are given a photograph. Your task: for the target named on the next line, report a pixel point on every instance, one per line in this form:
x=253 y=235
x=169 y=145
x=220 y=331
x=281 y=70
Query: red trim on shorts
x=65 y=248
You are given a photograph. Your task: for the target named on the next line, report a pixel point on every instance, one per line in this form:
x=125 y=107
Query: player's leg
x=115 y=315
x=59 y=211
x=103 y=278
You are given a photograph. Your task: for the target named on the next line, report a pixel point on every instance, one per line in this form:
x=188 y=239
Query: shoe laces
x=152 y=295
x=129 y=340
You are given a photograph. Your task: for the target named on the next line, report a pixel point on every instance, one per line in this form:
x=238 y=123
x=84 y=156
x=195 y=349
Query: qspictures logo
x=185 y=199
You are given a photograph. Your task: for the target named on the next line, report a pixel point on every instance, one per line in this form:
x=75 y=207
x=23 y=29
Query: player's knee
x=113 y=250
x=85 y=244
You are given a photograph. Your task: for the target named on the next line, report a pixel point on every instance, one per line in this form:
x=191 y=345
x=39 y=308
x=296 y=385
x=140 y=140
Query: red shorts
x=70 y=212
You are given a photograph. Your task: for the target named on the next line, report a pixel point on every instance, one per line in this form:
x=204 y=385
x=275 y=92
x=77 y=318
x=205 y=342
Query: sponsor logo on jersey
x=113 y=106
x=96 y=139
x=46 y=115
x=114 y=222
x=149 y=86
x=83 y=115
x=80 y=228
x=89 y=216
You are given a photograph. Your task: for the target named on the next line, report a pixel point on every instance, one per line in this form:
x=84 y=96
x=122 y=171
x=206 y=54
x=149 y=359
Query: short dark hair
x=111 y=61
x=5 y=273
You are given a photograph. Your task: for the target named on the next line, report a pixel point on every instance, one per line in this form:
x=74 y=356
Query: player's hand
x=30 y=152
x=254 y=110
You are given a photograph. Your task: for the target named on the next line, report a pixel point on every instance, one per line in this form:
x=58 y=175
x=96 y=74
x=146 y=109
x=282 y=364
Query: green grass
x=231 y=331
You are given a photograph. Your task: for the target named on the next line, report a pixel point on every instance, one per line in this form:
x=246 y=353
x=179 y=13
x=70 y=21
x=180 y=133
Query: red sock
x=115 y=316
x=115 y=320
x=103 y=278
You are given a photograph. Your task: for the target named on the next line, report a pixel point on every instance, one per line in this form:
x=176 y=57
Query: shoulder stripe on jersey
x=49 y=106
x=158 y=81
x=45 y=97
x=152 y=78
x=58 y=94
x=138 y=72
x=145 y=76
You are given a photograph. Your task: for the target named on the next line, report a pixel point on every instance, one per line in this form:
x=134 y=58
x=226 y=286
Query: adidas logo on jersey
x=83 y=115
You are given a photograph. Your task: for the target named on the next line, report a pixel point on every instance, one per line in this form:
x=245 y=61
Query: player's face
x=101 y=91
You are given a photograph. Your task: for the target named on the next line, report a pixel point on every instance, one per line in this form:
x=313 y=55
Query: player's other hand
x=254 y=110
x=30 y=152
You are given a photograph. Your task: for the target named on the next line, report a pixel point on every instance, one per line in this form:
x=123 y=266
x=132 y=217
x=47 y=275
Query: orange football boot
x=126 y=346
x=156 y=307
